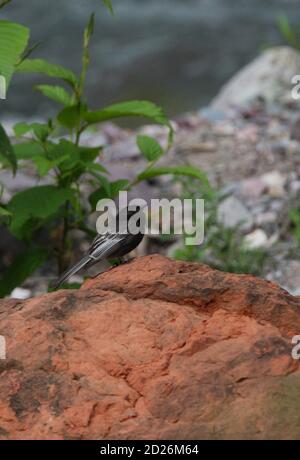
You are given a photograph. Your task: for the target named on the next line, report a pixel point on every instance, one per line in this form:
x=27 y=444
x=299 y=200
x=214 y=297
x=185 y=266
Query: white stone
x=268 y=76
x=256 y=239
x=265 y=218
x=20 y=293
x=231 y=212
x=274 y=182
x=291 y=276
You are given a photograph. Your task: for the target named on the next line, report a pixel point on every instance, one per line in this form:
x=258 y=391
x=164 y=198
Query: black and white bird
x=109 y=245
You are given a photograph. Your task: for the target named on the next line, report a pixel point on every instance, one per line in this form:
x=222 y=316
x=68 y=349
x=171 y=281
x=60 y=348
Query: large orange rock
x=152 y=349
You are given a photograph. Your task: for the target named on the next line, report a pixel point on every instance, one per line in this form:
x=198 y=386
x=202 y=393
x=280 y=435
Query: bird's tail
x=71 y=271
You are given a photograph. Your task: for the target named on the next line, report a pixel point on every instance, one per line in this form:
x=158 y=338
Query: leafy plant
x=13 y=42
x=44 y=216
x=223 y=248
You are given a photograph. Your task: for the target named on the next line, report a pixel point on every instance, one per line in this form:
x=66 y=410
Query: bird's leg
x=120 y=261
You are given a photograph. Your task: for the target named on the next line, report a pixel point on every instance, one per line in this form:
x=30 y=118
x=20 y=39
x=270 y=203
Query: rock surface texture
x=152 y=349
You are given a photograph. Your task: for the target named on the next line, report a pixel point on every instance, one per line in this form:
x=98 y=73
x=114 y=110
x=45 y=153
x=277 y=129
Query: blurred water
x=175 y=52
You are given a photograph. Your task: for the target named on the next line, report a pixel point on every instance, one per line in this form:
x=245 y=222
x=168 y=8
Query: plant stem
x=64 y=240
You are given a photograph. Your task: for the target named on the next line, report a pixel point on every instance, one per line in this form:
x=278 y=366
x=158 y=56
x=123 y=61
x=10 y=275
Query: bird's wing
x=102 y=246
x=105 y=245
x=71 y=271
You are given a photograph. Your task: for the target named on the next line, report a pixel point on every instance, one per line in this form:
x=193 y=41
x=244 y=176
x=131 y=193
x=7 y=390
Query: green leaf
x=21 y=128
x=44 y=165
x=74 y=154
x=23 y=266
x=13 y=41
x=108 y=5
x=38 y=202
x=88 y=31
x=52 y=70
x=107 y=190
x=70 y=117
x=287 y=31
x=7 y=155
x=88 y=155
x=102 y=192
x=118 y=185
x=105 y=184
x=190 y=171
x=95 y=168
x=28 y=150
x=97 y=195
x=4 y=212
x=128 y=109
x=40 y=130
x=149 y=147
x=56 y=93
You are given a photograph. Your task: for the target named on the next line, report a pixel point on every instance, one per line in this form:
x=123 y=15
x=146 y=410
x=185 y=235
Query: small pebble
x=20 y=293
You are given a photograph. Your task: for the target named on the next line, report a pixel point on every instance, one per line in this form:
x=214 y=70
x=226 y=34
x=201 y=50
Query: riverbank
x=139 y=53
